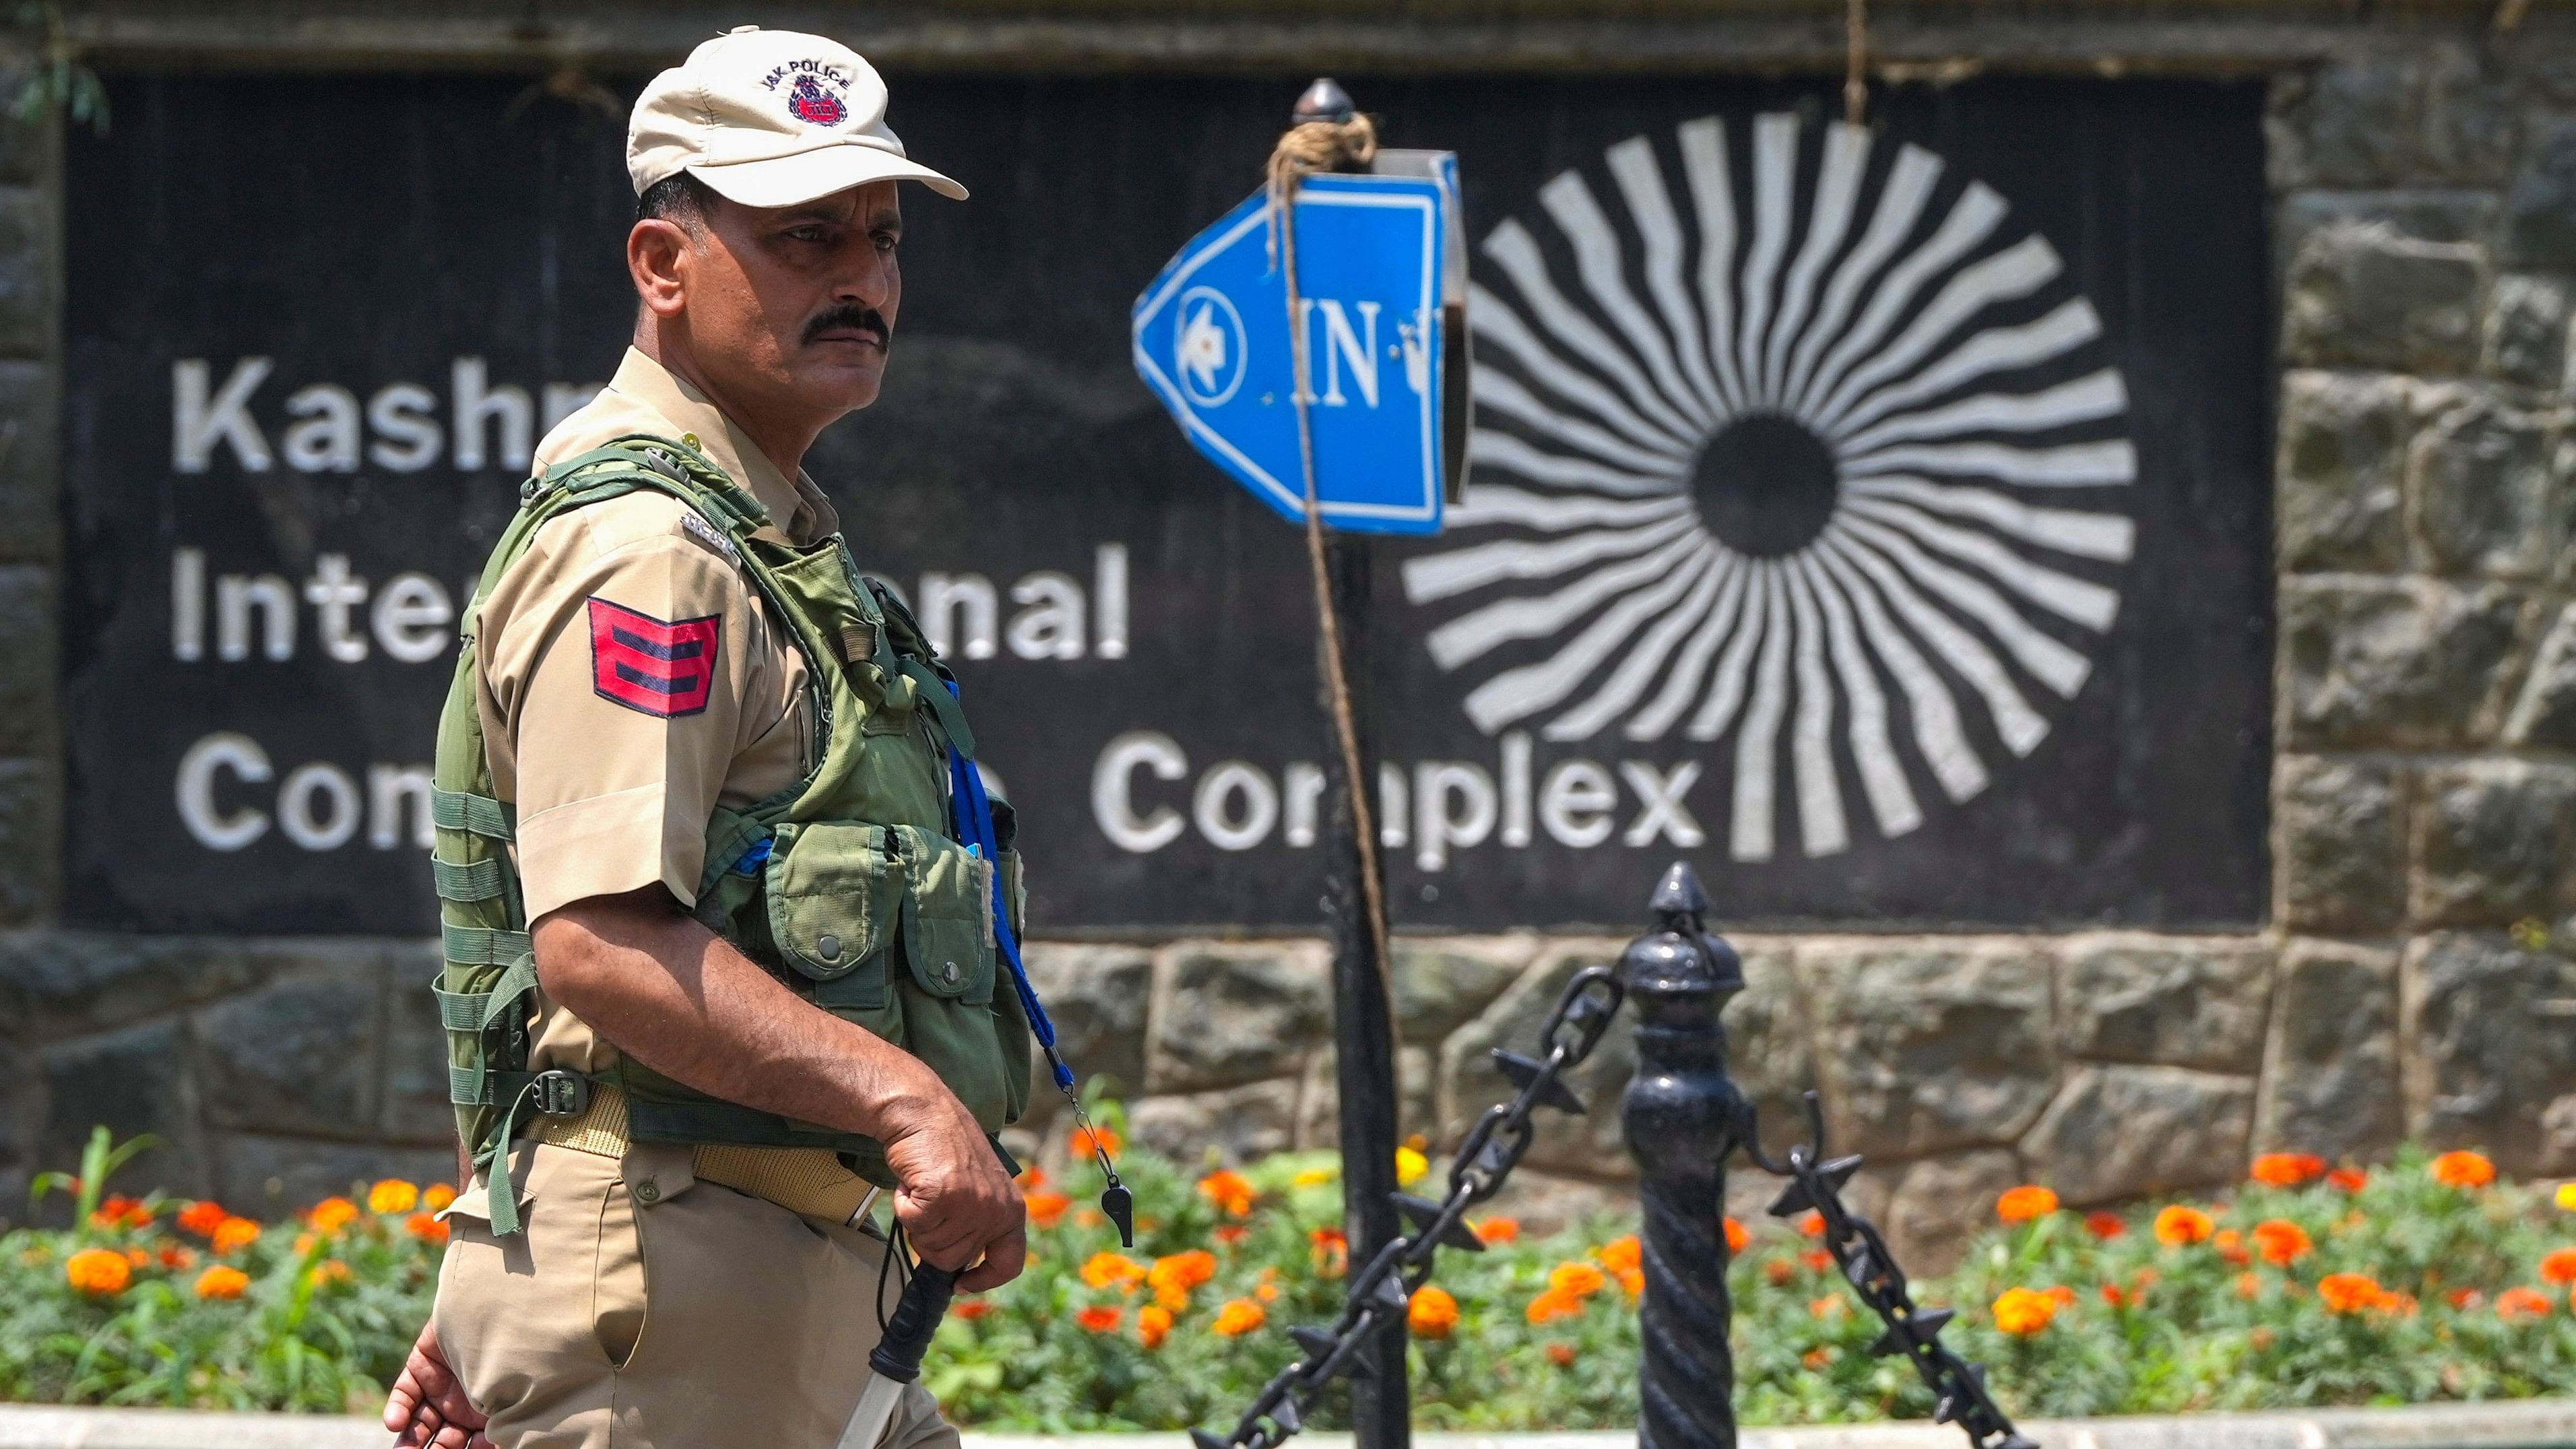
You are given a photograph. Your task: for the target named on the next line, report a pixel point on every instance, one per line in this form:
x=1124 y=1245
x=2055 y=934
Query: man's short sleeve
x=626 y=665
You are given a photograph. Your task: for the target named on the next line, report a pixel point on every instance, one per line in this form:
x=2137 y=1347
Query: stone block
x=2418 y=212
x=1417 y=1088
x=299 y=1055
x=2540 y=206
x=271 y=1177
x=2180 y=1001
x=1218 y=1129
x=2338 y=844
x=2341 y=471
x=27 y=710
x=2491 y=1061
x=134 y=1082
x=1098 y=998
x=2526 y=331
x=1543 y=1203
x=1941 y=1202
x=2402 y=663
x=1767 y=1046
x=30 y=837
x=1590 y=1146
x=2351 y=122
x=67 y=983
x=2329 y=1081
x=2492 y=843
x=27 y=231
x=415 y=1106
x=30 y=453
x=2544 y=713
x=2470 y=129
x=1930 y=1044
x=2480 y=498
x=1441 y=984
x=1229 y=1014
x=2364 y=295
x=2124 y=1132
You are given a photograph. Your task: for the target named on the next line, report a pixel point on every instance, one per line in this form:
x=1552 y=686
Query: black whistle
x=916 y=1317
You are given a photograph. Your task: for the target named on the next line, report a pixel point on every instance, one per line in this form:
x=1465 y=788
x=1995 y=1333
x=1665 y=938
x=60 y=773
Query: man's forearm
x=668 y=991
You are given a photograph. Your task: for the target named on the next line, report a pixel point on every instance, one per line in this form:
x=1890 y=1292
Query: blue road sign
x=1212 y=341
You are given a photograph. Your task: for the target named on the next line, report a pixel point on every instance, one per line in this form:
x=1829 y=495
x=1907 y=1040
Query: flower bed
x=2424 y=1279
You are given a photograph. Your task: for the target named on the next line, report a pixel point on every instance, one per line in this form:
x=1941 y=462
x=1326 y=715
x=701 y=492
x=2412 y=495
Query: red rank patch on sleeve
x=661 y=669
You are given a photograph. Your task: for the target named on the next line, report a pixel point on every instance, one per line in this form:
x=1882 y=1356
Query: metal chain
x=1958 y=1386
x=1381 y=1292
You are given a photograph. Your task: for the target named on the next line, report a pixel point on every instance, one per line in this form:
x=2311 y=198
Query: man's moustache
x=864 y=319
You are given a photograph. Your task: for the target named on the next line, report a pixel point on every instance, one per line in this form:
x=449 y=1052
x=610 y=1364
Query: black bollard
x=1680 y=1115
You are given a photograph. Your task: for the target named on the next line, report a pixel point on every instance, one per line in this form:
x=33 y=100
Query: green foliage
x=2188 y=1328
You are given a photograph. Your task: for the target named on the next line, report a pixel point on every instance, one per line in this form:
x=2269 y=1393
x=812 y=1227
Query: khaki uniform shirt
x=613 y=783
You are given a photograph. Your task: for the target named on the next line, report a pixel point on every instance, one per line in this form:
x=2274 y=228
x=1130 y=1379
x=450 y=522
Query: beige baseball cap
x=770 y=118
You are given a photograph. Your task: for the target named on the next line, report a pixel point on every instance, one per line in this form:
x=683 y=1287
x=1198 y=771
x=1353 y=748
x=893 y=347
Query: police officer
x=697 y=857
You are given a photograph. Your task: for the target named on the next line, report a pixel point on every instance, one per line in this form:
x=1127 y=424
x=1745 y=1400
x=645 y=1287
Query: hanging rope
x=1307 y=149
x=1855 y=60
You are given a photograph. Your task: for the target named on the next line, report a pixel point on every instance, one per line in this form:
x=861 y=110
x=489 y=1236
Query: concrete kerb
x=2529 y=1424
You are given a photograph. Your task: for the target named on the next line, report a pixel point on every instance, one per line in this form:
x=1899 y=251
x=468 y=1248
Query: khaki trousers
x=643 y=1309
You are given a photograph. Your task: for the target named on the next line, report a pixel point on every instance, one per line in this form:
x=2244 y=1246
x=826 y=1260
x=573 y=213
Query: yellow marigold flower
x=2180 y=1227
x=233 y=1234
x=2021 y=1312
x=2567 y=1196
x=1432 y=1313
x=1315 y=1177
x=100 y=1271
x=1410 y=1167
x=1576 y=1280
x=1240 y=1317
x=2463 y=1170
x=435 y=1197
x=332 y=1214
x=1111 y=1270
x=393 y=1195
x=2024 y=1203
x=222 y=1281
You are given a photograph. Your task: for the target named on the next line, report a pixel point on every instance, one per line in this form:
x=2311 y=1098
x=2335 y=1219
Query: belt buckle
x=560 y=1094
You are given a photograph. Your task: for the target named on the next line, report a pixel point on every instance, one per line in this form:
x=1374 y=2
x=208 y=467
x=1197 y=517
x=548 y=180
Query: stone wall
x=2415 y=979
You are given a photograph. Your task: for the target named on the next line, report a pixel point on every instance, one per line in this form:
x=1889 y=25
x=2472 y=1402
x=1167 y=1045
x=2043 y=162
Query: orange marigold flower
x=1046 y=1209
x=2351 y=1292
x=2559 y=1266
x=2515 y=1303
x=971 y=1309
x=328 y=1272
x=1819 y=1357
x=2105 y=1226
x=1622 y=1254
x=1576 y=1280
x=1561 y=1354
x=1087 y=1140
x=1632 y=1281
x=1031 y=1178
x=202 y=1218
x=2350 y=1179
x=1153 y=1325
x=2287 y=1169
x=2022 y=1312
x=1432 y=1312
x=428 y=1227
x=1736 y=1236
x=1229 y=1191
x=2466 y=1298
x=1331 y=1250
x=2248 y=1286
x=2463 y=1170
x=1816 y=1259
x=1552 y=1305
x=1813 y=1225
x=232 y=1235
x=176 y=1258
x=1112 y=1270
x=2231 y=1246
x=392 y=1196
x=2112 y=1295
x=1100 y=1319
x=332 y=1214
x=1779 y=1271
x=111 y=1213
x=2282 y=1242
x=102 y=1271
x=1232 y=1234
x=1499 y=1230
x=2179 y=1226
x=222 y=1281
x=1183 y=1270
x=2024 y=1203
x=138 y=1257
x=1240 y=1317
x=436 y=1197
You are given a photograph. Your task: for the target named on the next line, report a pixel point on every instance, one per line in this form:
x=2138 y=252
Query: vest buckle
x=559 y=1094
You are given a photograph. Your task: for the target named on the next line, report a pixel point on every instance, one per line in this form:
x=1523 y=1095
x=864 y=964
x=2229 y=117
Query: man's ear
x=658 y=253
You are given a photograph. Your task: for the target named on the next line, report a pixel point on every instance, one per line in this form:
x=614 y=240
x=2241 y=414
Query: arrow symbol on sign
x=1203 y=347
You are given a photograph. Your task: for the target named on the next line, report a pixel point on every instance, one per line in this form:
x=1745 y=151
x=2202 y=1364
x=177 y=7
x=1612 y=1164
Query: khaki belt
x=807 y=1180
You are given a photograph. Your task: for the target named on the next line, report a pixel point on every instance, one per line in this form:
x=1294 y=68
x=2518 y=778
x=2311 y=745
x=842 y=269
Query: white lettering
x=333 y=593
x=223 y=750
x=406 y=434
x=1516 y=789
x=234 y=597
x=1392 y=831
x=198 y=423
x=389 y=788
x=1112 y=807
x=188 y=603
x=1574 y=804
x=1341 y=343
x=1661 y=795
x=327 y=438
x=1051 y=627
x=475 y=399
x=1303 y=785
x=1436 y=827
x=1209 y=806
x=942 y=597
x=1109 y=599
x=328 y=829
x=411 y=615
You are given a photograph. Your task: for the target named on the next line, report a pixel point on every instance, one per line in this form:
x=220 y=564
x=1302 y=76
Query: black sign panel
x=1878 y=518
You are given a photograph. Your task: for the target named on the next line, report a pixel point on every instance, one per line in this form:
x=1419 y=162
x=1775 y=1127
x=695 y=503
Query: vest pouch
x=852 y=632
x=835 y=896
x=947 y=917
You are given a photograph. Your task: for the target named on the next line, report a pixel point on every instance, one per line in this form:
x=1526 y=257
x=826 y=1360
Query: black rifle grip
x=907 y=1335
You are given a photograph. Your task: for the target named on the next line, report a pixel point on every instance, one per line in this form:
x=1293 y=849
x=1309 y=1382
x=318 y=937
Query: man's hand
x=428 y=1406
x=955 y=1202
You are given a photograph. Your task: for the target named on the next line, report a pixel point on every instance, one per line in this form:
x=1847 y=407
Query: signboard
x=1880 y=520
x=1213 y=342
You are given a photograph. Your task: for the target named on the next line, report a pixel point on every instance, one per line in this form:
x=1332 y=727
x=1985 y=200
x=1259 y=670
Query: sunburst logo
x=1827 y=470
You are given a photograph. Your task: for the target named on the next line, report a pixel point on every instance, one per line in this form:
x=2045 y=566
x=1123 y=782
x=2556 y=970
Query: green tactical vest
x=848 y=885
